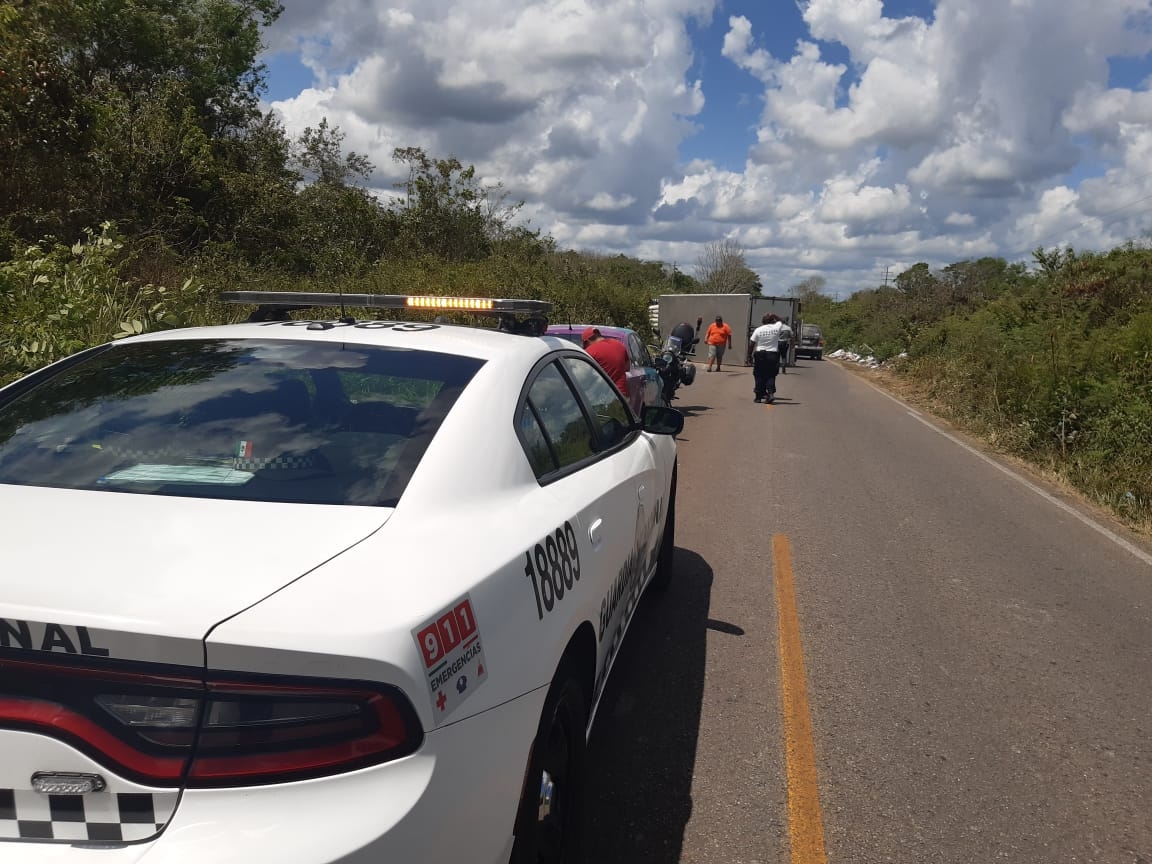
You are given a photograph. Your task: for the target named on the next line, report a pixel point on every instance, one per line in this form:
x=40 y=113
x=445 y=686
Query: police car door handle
x=594 y=535
x=640 y=491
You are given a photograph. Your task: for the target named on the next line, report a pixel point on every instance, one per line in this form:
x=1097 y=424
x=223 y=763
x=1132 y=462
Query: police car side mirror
x=661 y=420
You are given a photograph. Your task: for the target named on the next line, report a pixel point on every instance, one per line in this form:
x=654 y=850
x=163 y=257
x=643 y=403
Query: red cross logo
x=441 y=700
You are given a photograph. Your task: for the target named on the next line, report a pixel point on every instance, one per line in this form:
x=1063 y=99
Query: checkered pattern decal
x=101 y=817
x=240 y=463
x=285 y=461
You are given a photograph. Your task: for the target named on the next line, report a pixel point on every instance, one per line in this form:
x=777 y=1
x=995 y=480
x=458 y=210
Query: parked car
x=811 y=342
x=643 y=379
x=318 y=590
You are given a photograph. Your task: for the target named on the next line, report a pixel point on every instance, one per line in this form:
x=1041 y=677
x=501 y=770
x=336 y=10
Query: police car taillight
x=165 y=727
x=268 y=732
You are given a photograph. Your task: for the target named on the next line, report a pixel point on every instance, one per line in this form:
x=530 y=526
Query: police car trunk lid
x=105 y=602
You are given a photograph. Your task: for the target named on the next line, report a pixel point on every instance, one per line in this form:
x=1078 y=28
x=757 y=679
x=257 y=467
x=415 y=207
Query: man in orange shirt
x=611 y=355
x=719 y=338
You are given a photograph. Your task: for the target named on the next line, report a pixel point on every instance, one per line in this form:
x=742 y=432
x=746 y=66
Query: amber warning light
x=477 y=304
x=309 y=299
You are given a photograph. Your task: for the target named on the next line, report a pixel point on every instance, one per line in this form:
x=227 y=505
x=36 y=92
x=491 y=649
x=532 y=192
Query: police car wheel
x=663 y=576
x=548 y=824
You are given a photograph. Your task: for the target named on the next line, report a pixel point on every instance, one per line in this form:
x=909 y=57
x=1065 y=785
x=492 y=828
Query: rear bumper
x=453 y=800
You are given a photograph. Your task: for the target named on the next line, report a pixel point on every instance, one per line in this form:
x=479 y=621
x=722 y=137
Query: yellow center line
x=806 y=827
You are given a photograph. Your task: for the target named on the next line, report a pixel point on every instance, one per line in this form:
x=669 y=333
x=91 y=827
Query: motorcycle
x=673 y=364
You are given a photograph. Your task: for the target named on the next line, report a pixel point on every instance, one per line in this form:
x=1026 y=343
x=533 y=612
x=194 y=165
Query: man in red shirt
x=611 y=355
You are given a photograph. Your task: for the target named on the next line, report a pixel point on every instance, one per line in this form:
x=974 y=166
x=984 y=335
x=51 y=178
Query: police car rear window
x=263 y=420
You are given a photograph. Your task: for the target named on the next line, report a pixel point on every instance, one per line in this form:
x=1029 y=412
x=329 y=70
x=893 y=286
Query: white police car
x=317 y=591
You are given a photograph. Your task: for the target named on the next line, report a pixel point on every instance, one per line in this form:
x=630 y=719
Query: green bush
x=61 y=299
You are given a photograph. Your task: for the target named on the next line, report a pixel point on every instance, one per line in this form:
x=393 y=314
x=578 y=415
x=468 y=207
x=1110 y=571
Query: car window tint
x=610 y=412
x=244 y=419
x=634 y=350
x=536 y=446
x=642 y=352
x=562 y=417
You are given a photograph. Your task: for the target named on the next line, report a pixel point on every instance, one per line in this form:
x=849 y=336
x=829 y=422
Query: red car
x=643 y=379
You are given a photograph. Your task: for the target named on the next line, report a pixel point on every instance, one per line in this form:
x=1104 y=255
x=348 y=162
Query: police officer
x=764 y=355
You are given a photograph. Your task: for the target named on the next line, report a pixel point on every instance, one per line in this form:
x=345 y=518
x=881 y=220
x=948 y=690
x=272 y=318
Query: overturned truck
x=742 y=312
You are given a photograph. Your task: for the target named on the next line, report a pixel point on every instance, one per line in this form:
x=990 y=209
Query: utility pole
x=886 y=269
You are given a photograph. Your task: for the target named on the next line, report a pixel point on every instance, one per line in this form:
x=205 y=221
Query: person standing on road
x=785 y=341
x=610 y=354
x=764 y=355
x=719 y=338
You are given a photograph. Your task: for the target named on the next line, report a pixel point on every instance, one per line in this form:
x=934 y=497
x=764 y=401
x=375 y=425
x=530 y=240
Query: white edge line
x=1047 y=496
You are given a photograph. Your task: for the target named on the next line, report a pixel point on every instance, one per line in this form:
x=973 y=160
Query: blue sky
x=734 y=97
x=911 y=131
x=286 y=75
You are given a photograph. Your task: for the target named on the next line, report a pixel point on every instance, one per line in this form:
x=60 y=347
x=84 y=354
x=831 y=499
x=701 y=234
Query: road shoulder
x=1047 y=479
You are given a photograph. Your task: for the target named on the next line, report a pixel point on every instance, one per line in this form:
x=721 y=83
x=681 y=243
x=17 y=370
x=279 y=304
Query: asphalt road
x=978 y=660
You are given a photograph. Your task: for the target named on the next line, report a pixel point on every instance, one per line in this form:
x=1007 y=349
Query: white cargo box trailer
x=742 y=312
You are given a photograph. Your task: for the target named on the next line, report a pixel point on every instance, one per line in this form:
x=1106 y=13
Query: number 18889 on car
x=553 y=567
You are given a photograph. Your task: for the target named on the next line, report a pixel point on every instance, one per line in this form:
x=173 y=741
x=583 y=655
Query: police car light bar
x=304 y=300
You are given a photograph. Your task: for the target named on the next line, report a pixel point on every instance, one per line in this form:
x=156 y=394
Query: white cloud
x=604 y=201
x=982 y=127
x=1057 y=215
x=846 y=202
x=1099 y=112
x=738 y=48
x=568 y=102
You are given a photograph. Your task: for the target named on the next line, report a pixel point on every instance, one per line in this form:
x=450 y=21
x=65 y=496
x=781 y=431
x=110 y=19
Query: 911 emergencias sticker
x=453 y=657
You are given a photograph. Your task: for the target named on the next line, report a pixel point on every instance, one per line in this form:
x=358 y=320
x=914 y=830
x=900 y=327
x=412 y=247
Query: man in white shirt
x=764 y=352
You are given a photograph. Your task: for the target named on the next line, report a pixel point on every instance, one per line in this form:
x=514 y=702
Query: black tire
x=553 y=837
x=664 y=565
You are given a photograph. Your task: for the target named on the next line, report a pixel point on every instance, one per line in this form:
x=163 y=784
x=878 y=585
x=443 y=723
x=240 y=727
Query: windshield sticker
x=60 y=638
x=202 y=474
x=453 y=655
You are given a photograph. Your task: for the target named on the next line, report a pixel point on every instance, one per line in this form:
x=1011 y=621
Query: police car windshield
x=264 y=420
